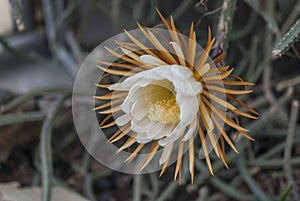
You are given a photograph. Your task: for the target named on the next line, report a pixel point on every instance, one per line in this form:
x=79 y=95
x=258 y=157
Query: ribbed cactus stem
x=225 y=21
x=287 y=40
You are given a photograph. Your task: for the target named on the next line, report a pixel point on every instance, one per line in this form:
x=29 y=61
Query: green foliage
x=285 y=194
x=287 y=40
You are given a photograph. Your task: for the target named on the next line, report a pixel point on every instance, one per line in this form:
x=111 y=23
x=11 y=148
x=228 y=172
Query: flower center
x=161 y=101
x=165 y=111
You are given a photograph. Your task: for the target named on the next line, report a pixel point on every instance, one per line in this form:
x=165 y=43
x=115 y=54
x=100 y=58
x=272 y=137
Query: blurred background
x=42 y=45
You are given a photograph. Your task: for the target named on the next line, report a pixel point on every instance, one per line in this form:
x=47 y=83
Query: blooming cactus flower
x=166 y=98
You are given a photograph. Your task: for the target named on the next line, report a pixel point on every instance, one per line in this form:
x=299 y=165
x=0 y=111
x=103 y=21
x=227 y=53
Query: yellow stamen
x=165 y=111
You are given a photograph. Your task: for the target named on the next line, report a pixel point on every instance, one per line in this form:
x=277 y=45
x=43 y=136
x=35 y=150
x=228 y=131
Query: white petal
x=139 y=90
x=148 y=59
x=138 y=79
x=176 y=128
x=186 y=87
x=155 y=129
x=182 y=71
x=189 y=106
x=130 y=81
x=158 y=73
x=136 y=128
x=122 y=120
x=191 y=130
x=165 y=131
x=142 y=138
x=180 y=76
x=143 y=141
x=176 y=134
x=139 y=115
x=125 y=106
x=139 y=109
x=142 y=125
x=166 y=154
x=135 y=93
x=142 y=135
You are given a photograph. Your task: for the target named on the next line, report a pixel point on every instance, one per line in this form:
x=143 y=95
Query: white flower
x=170 y=95
x=161 y=103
